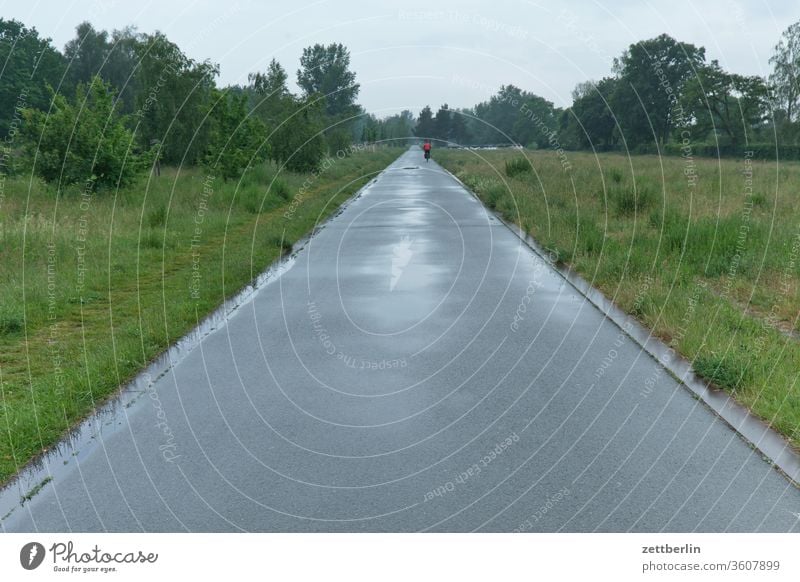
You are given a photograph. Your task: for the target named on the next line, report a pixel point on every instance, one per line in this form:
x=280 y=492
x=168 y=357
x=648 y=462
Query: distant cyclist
x=427 y=149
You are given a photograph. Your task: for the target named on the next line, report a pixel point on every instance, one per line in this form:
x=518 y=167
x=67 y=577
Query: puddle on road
x=400 y=283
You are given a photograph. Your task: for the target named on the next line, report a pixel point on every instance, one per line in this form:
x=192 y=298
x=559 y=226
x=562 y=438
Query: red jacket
x=427 y=147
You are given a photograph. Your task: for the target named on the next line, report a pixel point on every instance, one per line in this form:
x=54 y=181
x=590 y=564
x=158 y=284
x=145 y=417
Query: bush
x=238 y=140
x=85 y=141
x=518 y=166
x=339 y=140
x=298 y=143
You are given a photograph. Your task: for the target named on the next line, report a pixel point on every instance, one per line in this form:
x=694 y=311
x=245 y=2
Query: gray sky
x=408 y=54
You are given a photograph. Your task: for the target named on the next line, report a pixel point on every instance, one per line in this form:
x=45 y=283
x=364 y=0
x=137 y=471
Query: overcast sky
x=408 y=54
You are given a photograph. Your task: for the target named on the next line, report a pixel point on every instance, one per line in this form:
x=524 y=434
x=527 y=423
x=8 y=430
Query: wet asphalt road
x=417 y=368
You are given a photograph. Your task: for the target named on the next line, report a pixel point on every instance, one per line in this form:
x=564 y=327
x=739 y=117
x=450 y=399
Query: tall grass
x=518 y=166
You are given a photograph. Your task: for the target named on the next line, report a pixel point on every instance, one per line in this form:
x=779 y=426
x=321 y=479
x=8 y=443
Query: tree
x=237 y=140
x=591 y=119
x=30 y=65
x=785 y=78
x=425 y=126
x=459 y=132
x=394 y=130
x=399 y=128
x=272 y=83
x=325 y=70
x=271 y=95
x=441 y=123
x=513 y=115
x=652 y=74
x=83 y=141
x=271 y=100
x=499 y=114
x=371 y=128
x=173 y=95
x=536 y=121
x=121 y=67
x=727 y=103
x=297 y=142
x=113 y=57
x=86 y=54
x=338 y=138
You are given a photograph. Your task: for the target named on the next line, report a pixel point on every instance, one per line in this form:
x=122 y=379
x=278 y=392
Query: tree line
x=660 y=95
x=114 y=104
x=111 y=105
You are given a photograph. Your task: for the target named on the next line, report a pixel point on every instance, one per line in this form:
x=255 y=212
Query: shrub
x=85 y=141
x=339 y=142
x=238 y=140
x=298 y=142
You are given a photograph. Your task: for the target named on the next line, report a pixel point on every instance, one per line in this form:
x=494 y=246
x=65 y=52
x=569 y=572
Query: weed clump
x=759 y=200
x=725 y=371
x=157 y=217
x=493 y=194
x=518 y=166
x=632 y=200
x=11 y=322
x=281 y=190
x=281 y=243
x=615 y=176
